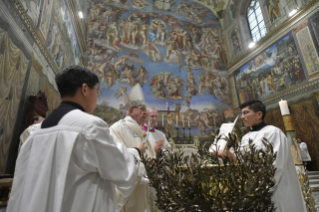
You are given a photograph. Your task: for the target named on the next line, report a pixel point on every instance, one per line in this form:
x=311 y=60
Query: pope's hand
x=141 y=147
x=158 y=144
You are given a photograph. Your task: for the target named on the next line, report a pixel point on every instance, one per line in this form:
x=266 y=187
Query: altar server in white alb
x=305 y=154
x=36 y=120
x=71 y=162
x=156 y=137
x=129 y=132
x=287 y=194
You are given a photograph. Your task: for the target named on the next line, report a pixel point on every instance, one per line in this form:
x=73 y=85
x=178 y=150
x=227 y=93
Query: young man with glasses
x=71 y=162
x=287 y=194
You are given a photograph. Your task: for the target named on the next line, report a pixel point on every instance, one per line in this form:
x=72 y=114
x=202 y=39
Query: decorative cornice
x=23 y=14
x=77 y=25
x=306 y=87
x=279 y=31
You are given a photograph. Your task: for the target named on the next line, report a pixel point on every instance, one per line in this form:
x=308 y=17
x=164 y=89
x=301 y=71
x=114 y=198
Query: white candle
x=189 y=124
x=284 y=107
x=166 y=105
x=176 y=119
x=183 y=120
x=163 y=120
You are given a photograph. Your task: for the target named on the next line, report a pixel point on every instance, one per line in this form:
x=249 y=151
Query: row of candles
x=183 y=121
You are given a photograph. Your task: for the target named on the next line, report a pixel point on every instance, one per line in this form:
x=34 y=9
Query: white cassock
x=130 y=133
x=71 y=167
x=157 y=135
x=287 y=194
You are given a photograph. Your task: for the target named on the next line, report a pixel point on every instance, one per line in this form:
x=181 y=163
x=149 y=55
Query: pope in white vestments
x=72 y=163
x=129 y=132
x=287 y=195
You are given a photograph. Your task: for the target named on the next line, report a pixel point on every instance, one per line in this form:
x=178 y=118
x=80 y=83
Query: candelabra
x=180 y=137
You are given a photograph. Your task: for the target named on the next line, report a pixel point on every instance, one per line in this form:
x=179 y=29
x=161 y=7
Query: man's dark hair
x=255 y=105
x=35 y=118
x=72 y=78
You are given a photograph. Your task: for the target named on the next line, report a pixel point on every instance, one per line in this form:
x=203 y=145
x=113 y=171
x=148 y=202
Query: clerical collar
x=145 y=128
x=258 y=127
x=74 y=105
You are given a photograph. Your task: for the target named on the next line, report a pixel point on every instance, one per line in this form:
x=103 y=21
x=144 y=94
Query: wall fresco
x=34 y=9
x=308 y=50
x=273 y=9
x=274 y=70
x=62 y=41
x=175 y=51
x=14 y=63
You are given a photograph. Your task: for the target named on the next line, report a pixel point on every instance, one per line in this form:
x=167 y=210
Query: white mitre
x=135 y=97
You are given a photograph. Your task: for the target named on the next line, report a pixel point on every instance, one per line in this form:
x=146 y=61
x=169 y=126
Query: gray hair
x=151 y=108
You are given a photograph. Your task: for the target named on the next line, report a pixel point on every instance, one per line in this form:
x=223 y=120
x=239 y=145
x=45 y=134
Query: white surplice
x=304 y=152
x=130 y=133
x=26 y=133
x=287 y=194
x=157 y=135
x=71 y=167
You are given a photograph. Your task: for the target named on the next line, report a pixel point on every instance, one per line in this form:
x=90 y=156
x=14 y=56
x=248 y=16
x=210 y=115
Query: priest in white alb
x=129 y=132
x=287 y=194
x=71 y=162
x=156 y=137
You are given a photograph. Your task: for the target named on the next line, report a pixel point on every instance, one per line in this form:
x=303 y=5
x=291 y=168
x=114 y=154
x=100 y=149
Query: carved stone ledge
x=301 y=89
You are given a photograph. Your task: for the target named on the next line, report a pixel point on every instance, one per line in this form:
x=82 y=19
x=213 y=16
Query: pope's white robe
x=71 y=167
x=157 y=135
x=287 y=194
x=138 y=200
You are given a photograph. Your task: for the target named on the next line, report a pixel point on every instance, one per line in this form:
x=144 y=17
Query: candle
x=284 y=107
x=189 y=124
x=183 y=120
x=163 y=120
x=176 y=119
x=167 y=105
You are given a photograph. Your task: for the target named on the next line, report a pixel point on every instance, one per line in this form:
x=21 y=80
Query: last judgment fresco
x=174 y=49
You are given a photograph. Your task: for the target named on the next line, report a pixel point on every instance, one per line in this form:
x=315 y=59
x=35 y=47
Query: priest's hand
x=158 y=145
x=141 y=147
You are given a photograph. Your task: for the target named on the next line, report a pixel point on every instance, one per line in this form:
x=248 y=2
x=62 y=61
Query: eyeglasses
x=142 y=108
x=99 y=92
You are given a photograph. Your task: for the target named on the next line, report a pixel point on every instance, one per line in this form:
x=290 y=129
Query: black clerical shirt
x=57 y=114
x=258 y=127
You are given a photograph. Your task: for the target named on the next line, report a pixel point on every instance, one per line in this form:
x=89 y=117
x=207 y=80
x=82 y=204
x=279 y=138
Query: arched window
x=256 y=21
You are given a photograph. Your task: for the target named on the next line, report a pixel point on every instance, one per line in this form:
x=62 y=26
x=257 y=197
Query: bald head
x=152 y=114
